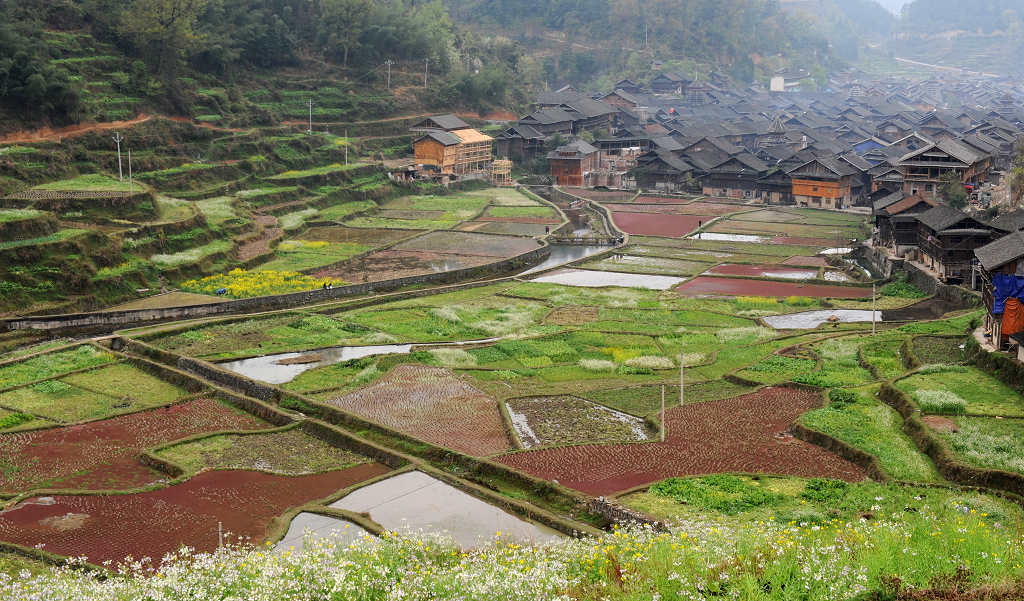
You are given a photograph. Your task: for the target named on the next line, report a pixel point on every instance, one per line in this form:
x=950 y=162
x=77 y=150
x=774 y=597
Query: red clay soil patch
x=655 y=224
x=719 y=286
x=102 y=454
x=940 y=424
x=741 y=434
x=600 y=195
x=639 y=208
x=763 y=271
x=710 y=208
x=432 y=404
x=806 y=261
x=661 y=200
x=829 y=242
x=152 y=524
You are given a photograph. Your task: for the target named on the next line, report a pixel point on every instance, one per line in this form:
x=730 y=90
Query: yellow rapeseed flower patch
x=240 y=283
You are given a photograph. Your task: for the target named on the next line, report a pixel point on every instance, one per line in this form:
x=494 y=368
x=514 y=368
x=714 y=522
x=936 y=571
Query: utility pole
x=346 y=146
x=426 y=71
x=310 y=132
x=117 y=139
x=682 y=360
x=872 y=308
x=131 y=189
x=389 y=62
x=662 y=413
x=646 y=38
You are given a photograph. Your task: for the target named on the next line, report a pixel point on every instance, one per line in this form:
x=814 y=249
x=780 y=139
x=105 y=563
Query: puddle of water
x=837 y=276
x=415 y=501
x=565 y=253
x=267 y=368
x=836 y=251
x=790 y=275
x=811 y=319
x=319 y=526
x=587 y=278
x=728 y=237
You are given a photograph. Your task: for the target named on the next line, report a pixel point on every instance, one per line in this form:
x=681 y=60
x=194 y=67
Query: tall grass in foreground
x=829 y=560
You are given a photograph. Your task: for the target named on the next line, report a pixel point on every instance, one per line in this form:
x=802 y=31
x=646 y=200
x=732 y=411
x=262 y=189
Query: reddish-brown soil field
x=261 y=245
x=741 y=434
x=654 y=224
x=102 y=454
x=710 y=208
x=371 y=236
x=600 y=195
x=737 y=287
x=940 y=424
x=390 y=264
x=806 y=261
x=152 y=524
x=639 y=208
x=760 y=270
x=432 y=404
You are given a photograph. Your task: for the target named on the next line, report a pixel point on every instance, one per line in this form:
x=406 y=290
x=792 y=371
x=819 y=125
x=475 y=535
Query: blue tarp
x=1006 y=286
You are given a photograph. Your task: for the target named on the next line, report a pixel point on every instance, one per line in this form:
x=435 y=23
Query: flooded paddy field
x=723 y=286
x=599 y=279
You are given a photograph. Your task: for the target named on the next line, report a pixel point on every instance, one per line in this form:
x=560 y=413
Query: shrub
x=801 y=301
x=840 y=397
x=824 y=490
x=453 y=357
x=940 y=402
x=903 y=289
x=724 y=493
x=14 y=419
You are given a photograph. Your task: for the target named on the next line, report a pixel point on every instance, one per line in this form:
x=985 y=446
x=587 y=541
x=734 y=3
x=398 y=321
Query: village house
x=947 y=239
x=736 y=177
x=663 y=171
x=519 y=142
x=572 y=163
x=456 y=153
x=825 y=183
x=896 y=220
x=924 y=168
x=1002 y=285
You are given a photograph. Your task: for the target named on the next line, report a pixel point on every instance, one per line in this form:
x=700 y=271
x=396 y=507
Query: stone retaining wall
x=111 y=320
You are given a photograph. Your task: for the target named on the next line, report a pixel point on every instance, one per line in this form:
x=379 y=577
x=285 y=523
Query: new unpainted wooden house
x=456 y=153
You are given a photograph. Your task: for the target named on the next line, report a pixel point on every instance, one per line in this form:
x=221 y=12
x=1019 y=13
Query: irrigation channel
x=285 y=367
x=566 y=253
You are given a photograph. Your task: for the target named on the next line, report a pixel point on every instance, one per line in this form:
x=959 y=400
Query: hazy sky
x=893 y=5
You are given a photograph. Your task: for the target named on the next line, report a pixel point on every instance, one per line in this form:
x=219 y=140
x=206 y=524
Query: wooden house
x=663 y=171
x=1002 y=278
x=896 y=219
x=669 y=83
x=458 y=153
x=824 y=183
x=924 y=168
x=440 y=123
x=736 y=177
x=572 y=163
x=947 y=239
x=519 y=142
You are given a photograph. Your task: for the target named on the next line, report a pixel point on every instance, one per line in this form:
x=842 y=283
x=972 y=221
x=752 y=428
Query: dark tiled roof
x=942 y=217
x=1000 y=252
x=1010 y=222
x=445 y=122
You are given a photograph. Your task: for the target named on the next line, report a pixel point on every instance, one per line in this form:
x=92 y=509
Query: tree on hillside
x=164 y=28
x=342 y=26
x=952 y=189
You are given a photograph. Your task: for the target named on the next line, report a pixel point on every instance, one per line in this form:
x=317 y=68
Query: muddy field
x=469 y=243
x=741 y=434
x=368 y=236
x=434 y=405
x=721 y=286
x=561 y=420
x=152 y=524
x=103 y=454
x=390 y=264
x=801 y=261
x=655 y=224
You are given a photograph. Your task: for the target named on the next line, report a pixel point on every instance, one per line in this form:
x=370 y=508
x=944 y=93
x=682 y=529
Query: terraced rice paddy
x=152 y=524
x=742 y=434
x=722 y=286
x=415 y=501
x=434 y=405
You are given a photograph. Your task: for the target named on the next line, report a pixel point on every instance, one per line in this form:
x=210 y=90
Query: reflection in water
x=728 y=237
x=268 y=369
x=812 y=319
x=565 y=253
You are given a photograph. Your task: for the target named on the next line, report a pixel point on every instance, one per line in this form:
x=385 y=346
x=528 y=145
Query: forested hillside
x=64 y=61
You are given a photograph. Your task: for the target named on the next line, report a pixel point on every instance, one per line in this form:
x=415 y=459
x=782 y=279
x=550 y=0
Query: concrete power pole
x=117 y=139
x=426 y=71
x=389 y=62
x=131 y=189
x=310 y=132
